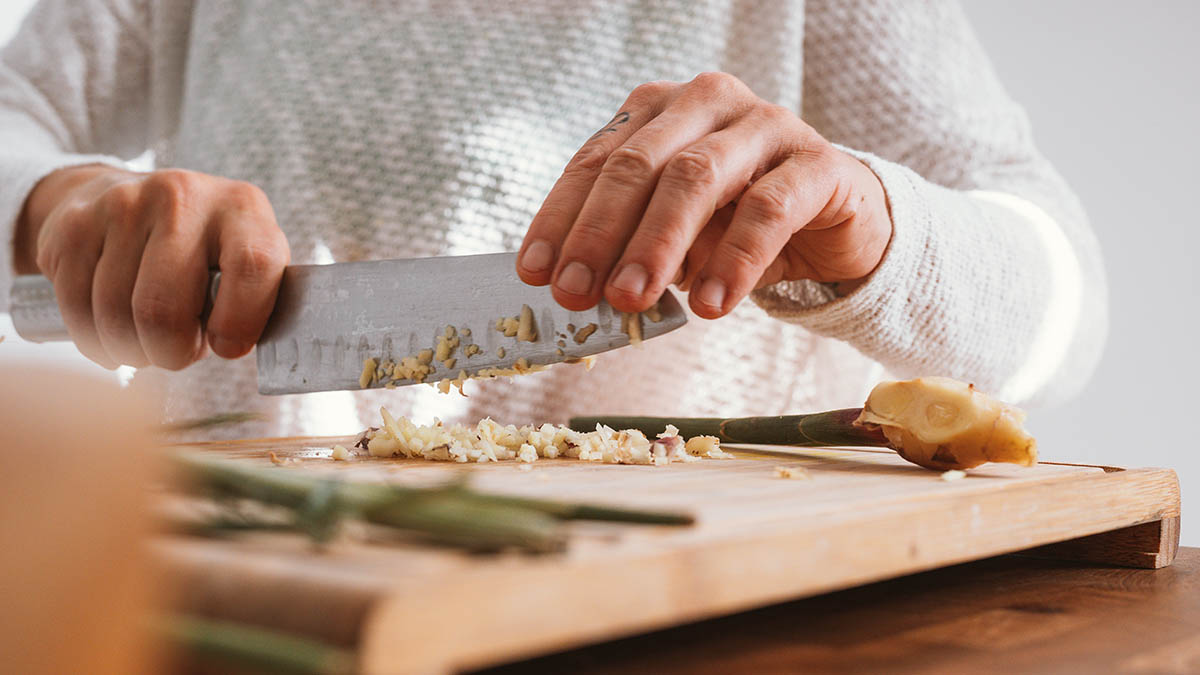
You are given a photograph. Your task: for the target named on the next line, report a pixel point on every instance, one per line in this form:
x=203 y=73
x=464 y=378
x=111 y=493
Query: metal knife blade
x=328 y=319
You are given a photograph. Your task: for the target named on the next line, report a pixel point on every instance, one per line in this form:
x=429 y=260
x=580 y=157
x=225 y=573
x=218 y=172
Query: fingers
x=773 y=209
x=112 y=288
x=622 y=191
x=252 y=255
x=67 y=255
x=695 y=183
x=539 y=251
x=702 y=247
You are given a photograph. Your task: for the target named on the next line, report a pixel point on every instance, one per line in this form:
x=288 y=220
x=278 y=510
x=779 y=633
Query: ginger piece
x=944 y=424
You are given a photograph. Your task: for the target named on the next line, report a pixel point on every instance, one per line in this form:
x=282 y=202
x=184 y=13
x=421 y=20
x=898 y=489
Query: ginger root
x=944 y=424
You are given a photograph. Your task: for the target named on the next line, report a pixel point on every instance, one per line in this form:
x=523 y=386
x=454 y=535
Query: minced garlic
x=584 y=333
x=631 y=325
x=654 y=313
x=706 y=446
x=489 y=441
x=340 y=453
x=368 y=374
x=526 y=328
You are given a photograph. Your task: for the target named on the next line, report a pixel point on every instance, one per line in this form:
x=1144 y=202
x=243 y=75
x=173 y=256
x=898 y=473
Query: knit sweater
x=436 y=127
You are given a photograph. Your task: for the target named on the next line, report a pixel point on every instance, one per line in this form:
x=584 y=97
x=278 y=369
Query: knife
x=329 y=319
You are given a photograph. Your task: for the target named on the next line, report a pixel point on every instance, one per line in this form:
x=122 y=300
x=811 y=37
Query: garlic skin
x=941 y=423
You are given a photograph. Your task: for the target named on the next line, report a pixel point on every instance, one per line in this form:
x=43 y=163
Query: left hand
x=707 y=186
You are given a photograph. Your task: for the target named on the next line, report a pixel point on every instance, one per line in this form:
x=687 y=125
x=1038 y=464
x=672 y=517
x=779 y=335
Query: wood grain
x=862 y=516
x=1009 y=614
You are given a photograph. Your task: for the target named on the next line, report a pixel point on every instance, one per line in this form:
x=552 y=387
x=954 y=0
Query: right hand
x=129 y=255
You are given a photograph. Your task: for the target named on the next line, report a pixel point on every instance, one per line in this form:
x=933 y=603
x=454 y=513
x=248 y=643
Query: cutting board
x=860 y=516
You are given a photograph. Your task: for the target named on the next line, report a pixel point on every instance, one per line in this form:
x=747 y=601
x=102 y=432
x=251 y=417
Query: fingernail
x=632 y=279
x=538 y=257
x=576 y=279
x=711 y=293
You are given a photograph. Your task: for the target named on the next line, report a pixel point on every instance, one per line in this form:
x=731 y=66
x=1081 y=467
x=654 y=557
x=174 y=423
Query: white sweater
x=435 y=127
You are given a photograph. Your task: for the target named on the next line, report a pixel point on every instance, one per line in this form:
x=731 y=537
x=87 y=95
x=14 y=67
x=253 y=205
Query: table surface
x=1001 y=615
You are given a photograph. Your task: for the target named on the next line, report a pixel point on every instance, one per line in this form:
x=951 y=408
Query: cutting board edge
x=1146 y=495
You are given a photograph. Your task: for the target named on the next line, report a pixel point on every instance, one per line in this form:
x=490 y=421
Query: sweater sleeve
x=992 y=275
x=73 y=90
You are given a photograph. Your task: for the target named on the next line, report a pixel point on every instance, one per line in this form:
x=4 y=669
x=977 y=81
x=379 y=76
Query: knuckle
x=587 y=235
x=717 y=82
x=654 y=244
x=767 y=204
x=745 y=256
x=121 y=199
x=246 y=197
x=589 y=160
x=255 y=262
x=776 y=115
x=173 y=185
x=72 y=233
x=692 y=167
x=159 y=314
x=649 y=92
x=628 y=165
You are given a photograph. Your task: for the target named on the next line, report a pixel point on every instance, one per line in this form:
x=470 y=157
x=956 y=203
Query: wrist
x=53 y=190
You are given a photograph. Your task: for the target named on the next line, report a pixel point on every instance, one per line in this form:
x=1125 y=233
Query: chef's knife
x=329 y=319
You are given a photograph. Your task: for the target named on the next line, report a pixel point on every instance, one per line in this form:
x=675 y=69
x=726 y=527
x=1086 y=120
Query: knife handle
x=35 y=312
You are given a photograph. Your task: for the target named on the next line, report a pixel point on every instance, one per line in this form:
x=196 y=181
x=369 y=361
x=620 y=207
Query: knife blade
x=329 y=319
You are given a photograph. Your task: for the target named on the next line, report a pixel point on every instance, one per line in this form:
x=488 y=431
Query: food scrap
x=953 y=474
x=489 y=441
x=631 y=325
x=340 y=453
x=791 y=472
x=584 y=333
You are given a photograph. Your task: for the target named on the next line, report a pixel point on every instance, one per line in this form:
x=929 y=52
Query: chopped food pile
x=489 y=441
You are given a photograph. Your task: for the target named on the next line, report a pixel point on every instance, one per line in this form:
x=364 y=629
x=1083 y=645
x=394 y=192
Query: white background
x=1112 y=88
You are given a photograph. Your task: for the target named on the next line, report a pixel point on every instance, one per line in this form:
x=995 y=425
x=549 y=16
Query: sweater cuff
x=18 y=176
x=819 y=309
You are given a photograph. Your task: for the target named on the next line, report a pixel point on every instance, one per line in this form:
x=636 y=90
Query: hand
x=129 y=255
x=708 y=186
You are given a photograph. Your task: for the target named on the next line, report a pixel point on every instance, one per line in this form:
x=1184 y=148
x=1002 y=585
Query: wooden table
x=1009 y=614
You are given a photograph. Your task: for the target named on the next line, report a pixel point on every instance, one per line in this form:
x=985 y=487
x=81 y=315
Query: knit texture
x=432 y=128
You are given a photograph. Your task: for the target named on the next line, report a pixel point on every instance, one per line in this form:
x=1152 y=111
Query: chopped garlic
x=584 y=333
x=706 y=446
x=489 y=441
x=340 y=453
x=499 y=352
x=654 y=313
x=526 y=328
x=368 y=374
x=631 y=325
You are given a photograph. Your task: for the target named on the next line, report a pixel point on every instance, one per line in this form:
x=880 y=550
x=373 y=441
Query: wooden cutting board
x=861 y=516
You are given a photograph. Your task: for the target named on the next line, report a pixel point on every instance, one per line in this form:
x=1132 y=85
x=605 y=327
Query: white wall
x=1112 y=88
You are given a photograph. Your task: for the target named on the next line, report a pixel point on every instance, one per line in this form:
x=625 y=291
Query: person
x=855 y=168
